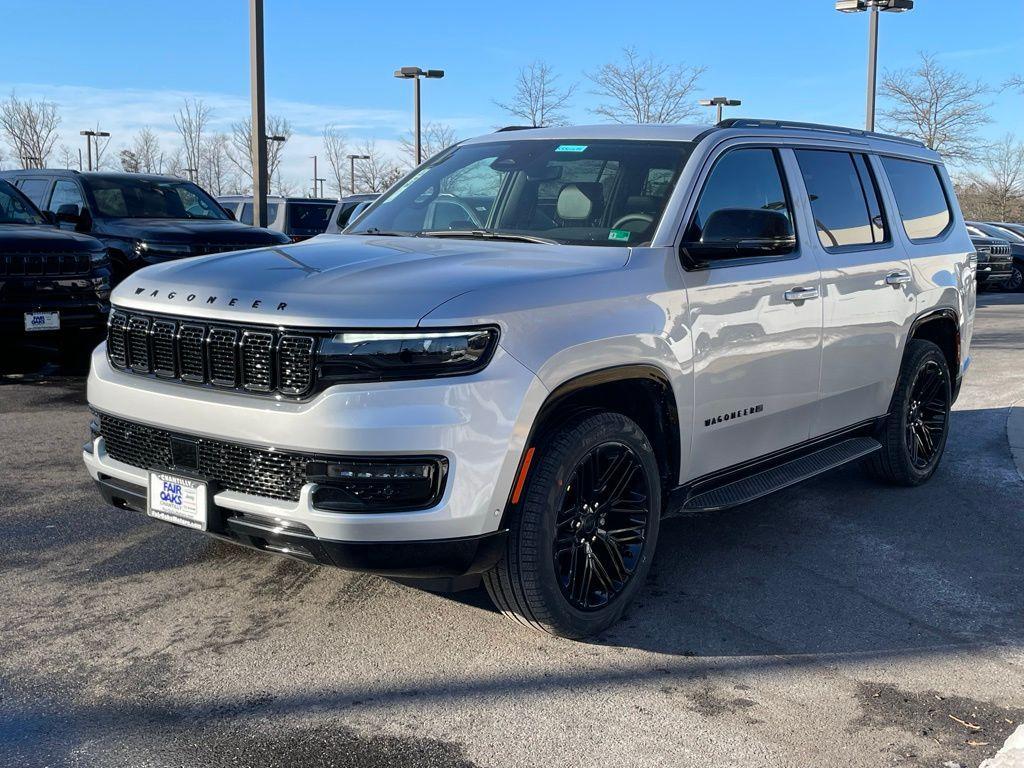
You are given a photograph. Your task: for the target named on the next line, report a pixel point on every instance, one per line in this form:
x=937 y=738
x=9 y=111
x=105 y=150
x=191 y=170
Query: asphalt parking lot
x=839 y=623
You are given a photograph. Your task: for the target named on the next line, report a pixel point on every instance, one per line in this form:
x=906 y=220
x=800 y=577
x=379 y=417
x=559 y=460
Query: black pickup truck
x=50 y=280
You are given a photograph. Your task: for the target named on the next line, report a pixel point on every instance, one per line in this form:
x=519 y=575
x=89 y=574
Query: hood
x=188 y=231
x=44 y=239
x=350 y=280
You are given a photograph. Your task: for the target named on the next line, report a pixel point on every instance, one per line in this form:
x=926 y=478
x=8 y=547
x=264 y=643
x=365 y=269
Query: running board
x=795 y=471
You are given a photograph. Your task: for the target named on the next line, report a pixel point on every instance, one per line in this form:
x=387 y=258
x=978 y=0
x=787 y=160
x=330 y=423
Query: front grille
x=233 y=467
x=251 y=359
x=44 y=264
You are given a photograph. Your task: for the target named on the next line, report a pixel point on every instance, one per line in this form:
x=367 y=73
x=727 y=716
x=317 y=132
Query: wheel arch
x=642 y=392
x=942 y=328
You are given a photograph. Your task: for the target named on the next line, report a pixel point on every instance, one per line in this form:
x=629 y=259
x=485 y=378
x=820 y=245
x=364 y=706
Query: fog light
x=377 y=485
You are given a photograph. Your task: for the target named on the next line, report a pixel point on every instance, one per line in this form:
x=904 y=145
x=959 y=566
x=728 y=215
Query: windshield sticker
x=619 y=234
x=571 y=148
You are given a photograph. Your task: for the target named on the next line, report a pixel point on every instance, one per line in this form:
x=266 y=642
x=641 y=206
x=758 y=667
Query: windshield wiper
x=487 y=234
x=381 y=233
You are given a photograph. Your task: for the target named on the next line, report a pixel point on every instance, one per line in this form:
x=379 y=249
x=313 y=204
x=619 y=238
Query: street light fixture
x=414 y=74
x=858 y=6
x=352 y=170
x=719 y=102
x=89 y=135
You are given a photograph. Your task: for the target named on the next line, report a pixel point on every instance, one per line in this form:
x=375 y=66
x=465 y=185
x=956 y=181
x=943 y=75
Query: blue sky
x=128 y=64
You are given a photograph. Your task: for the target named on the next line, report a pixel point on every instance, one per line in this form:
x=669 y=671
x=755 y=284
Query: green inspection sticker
x=619 y=234
x=571 y=148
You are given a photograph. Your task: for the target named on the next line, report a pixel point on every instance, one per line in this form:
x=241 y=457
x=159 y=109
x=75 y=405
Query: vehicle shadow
x=843 y=565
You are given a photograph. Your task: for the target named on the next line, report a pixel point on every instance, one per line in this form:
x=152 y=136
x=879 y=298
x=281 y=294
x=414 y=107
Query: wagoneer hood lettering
x=348 y=281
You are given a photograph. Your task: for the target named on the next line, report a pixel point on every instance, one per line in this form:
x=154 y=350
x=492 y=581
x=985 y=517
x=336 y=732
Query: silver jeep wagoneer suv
x=540 y=344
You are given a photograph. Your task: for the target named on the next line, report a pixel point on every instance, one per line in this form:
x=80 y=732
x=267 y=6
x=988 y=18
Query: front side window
x=919 y=195
x=742 y=185
x=573 y=192
x=66 y=193
x=15 y=208
x=139 y=198
x=843 y=197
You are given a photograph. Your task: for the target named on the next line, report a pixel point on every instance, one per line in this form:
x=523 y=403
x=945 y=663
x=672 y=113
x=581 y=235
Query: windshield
x=139 y=198
x=574 y=192
x=15 y=208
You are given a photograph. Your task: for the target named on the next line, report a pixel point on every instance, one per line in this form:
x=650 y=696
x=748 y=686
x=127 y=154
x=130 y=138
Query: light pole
x=89 y=135
x=193 y=174
x=321 y=180
x=414 y=74
x=37 y=162
x=352 y=170
x=258 y=146
x=314 y=175
x=857 y=6
x=719 y=102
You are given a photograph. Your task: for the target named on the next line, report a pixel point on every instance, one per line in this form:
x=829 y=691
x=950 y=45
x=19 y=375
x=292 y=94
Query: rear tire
x=580 y=542
x=914 y=434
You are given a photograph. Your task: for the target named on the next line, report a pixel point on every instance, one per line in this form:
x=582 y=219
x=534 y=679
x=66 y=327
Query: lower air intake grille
x=234 y=467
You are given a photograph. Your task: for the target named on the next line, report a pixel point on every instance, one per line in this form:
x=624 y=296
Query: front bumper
x=448 y=564
x=479 y=423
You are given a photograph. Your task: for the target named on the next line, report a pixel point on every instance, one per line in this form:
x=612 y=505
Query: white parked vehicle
x=297 y=217
x=540 y=344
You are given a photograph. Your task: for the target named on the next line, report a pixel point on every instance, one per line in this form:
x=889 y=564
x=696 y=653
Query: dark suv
x=140 y=218
x=49 y=280
x=997 y=251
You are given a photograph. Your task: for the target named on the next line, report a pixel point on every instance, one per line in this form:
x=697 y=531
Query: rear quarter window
x=920 y=197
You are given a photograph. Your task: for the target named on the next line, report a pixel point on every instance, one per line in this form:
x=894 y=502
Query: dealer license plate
x=42 y=321
x=178 y=500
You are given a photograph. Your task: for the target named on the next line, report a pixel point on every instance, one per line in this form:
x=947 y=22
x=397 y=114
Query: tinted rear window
x=34 y=189
x=840 y=190
x=308 y=218
x=920 y=198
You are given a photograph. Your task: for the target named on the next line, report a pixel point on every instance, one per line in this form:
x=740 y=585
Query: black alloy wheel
x=601 y=527
x=927 y=414
x=1015 y=281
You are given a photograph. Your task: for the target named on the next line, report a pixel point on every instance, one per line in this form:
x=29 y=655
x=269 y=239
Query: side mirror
x=69 y=213
x=737 y=232
x=49 y=217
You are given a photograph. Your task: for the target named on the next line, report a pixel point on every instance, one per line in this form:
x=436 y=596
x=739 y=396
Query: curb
x=1012 y=753
x=1015 y=435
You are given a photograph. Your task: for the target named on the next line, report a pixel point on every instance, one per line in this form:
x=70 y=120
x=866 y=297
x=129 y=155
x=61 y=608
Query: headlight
x=98 y=258
x=390 y=355
x=162 y=249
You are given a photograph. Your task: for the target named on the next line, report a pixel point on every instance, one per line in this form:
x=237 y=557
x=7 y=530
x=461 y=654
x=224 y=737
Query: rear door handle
x=801 y=293
x=897 y=278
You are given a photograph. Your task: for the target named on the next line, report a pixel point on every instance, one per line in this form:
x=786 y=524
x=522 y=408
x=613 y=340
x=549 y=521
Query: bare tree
x=30 y=128
x=129 y=161
x=537 y=99
x=146 y=148
x=191 y=121
x=335 y=149
x=215 y=172
x=378 y=172
x=68 y=158
x=646 y=90
x=995 y=192
x=939 y=107
x=434 y=138
x=239 y=149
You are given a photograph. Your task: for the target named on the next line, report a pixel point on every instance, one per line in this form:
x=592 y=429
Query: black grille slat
x=44 y=264
x=191 y=349
x=295 y=356
x=234 y=467
x=165 y=357
x=253 y=359
x=117 y=345
x=258 y=361
x=222 y=356
x=138 y=344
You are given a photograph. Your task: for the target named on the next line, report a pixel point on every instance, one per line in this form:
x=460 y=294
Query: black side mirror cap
x=742 y=232
x=49 y=217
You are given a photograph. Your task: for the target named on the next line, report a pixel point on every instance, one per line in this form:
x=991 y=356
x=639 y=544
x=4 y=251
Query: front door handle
x=801 y=293
x=897 y=278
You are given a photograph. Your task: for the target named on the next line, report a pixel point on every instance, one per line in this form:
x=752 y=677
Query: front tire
x=914 y=434
x=1015 y=282
x=581 y=541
